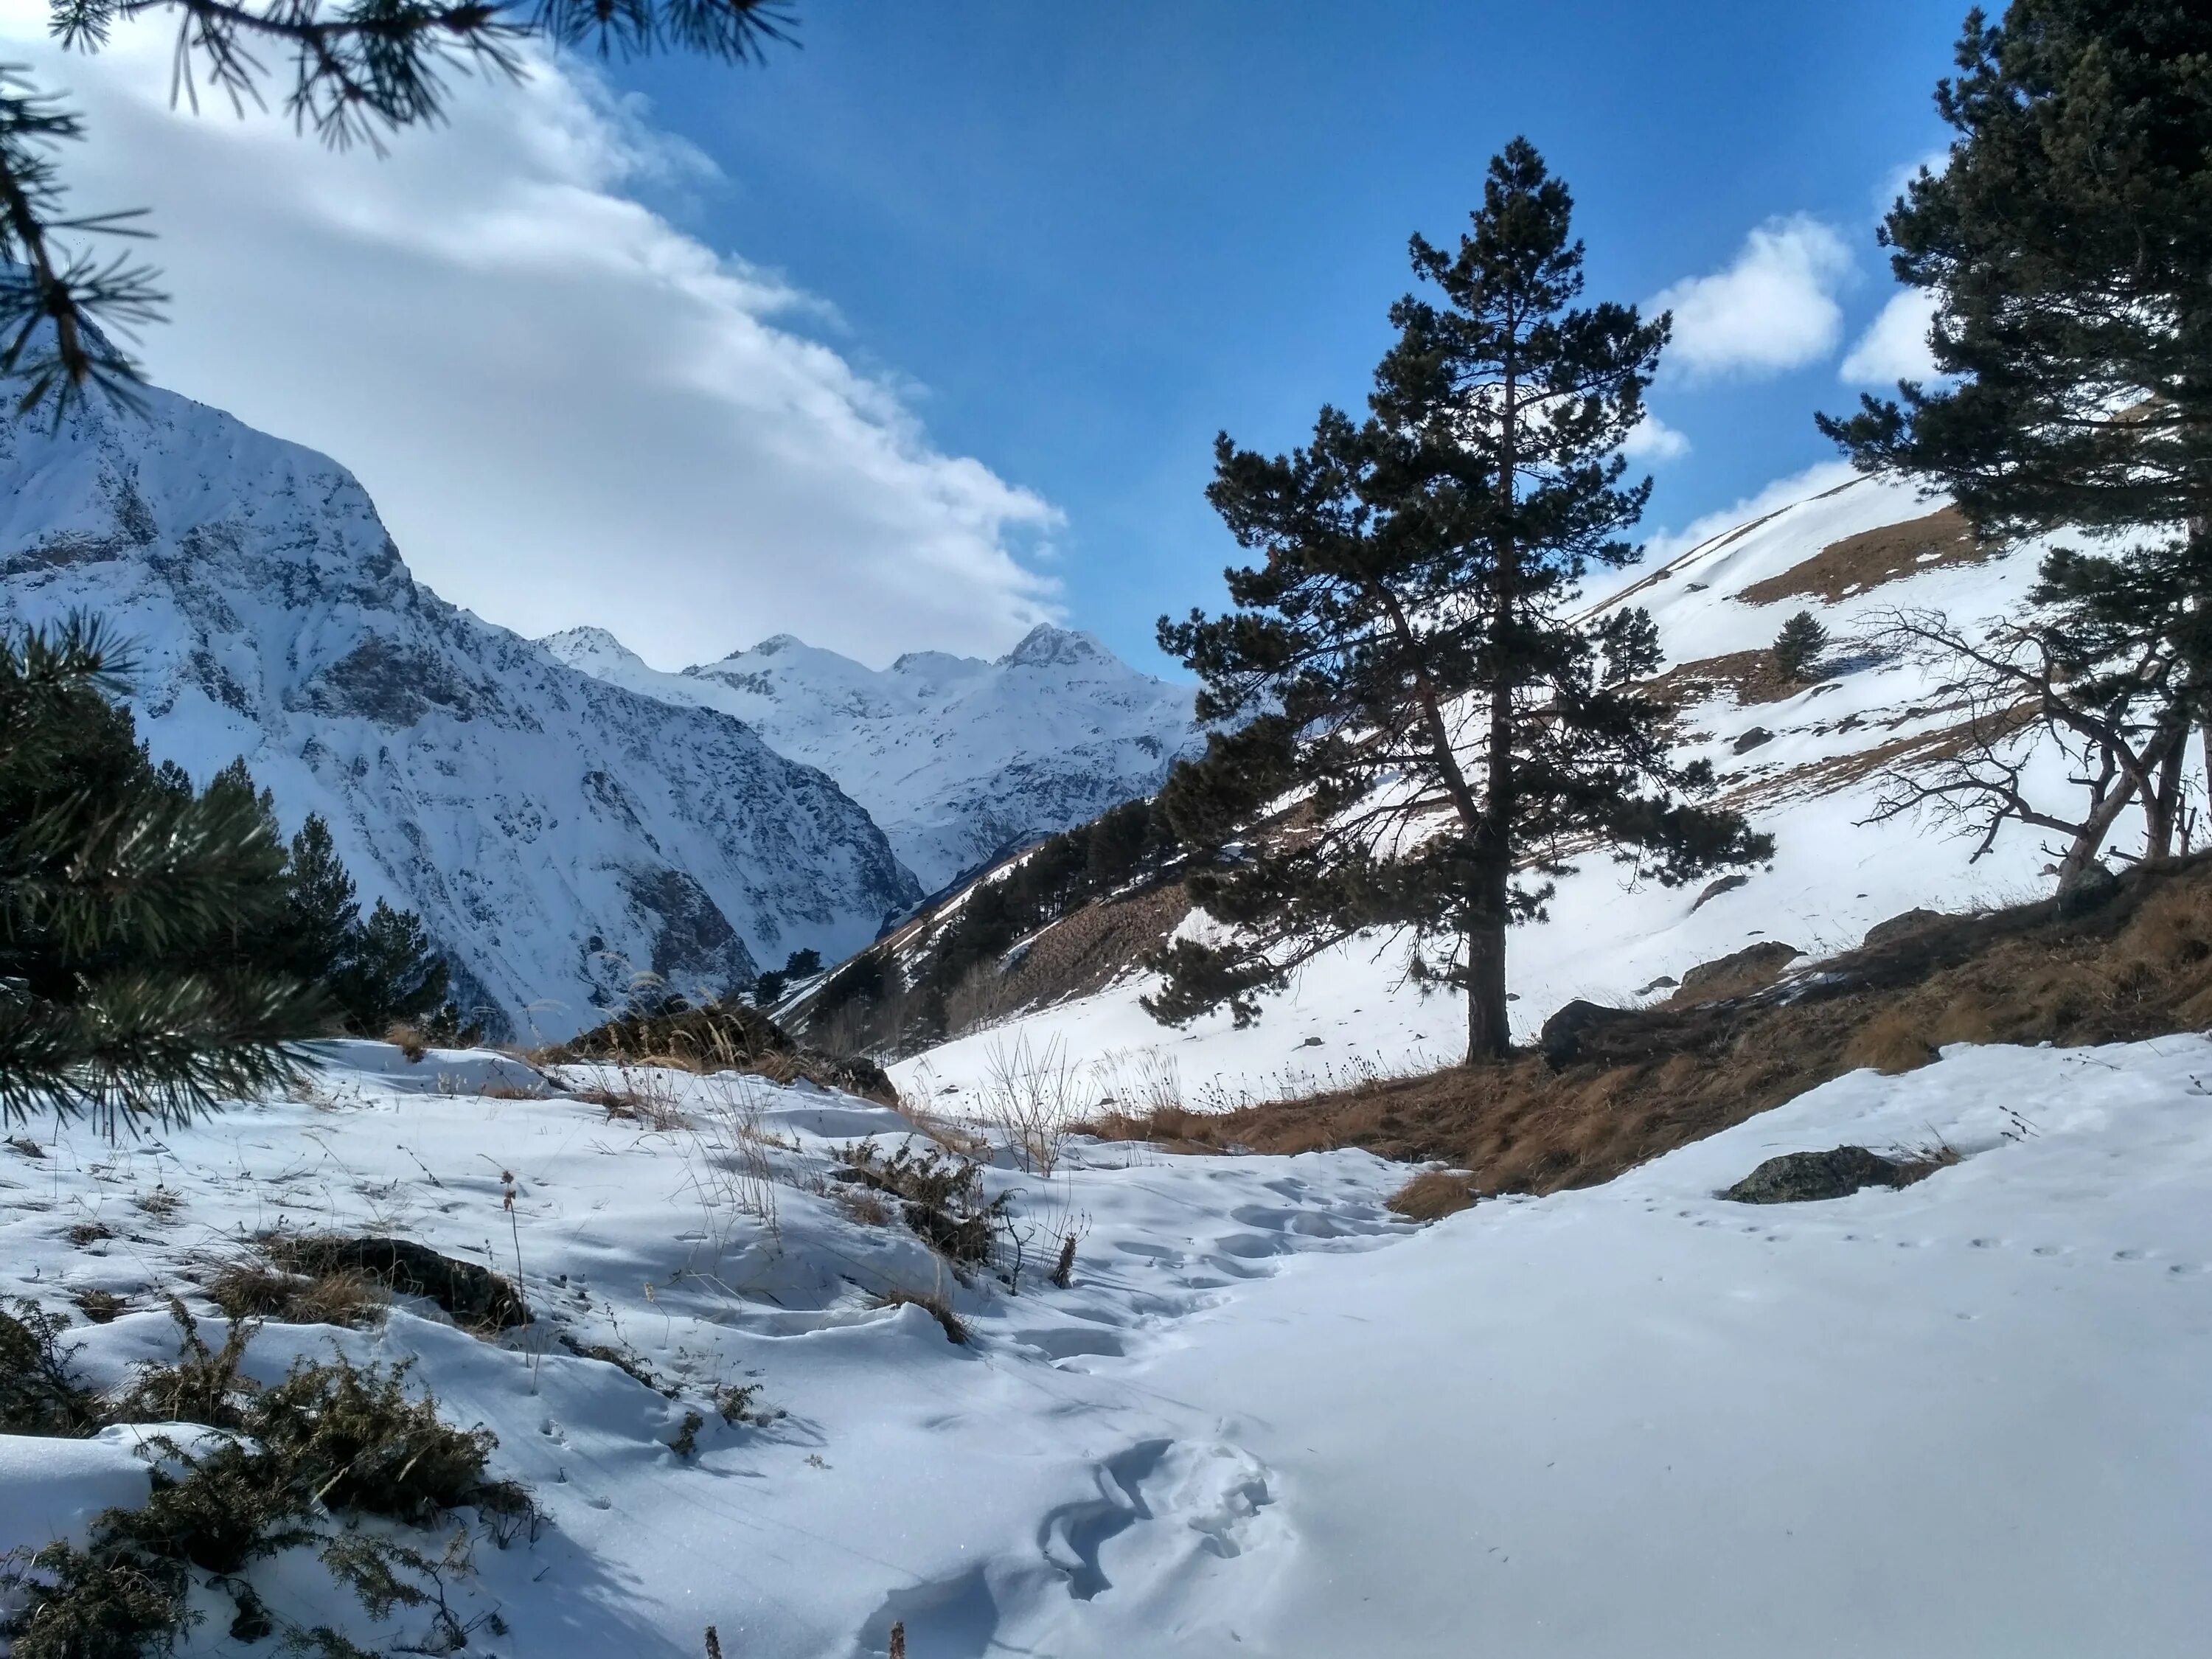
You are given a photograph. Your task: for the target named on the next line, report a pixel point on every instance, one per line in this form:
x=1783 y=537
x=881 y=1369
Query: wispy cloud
x=1772 y=308
x=1895 y=344
x=1652 y=440
x=568 y=409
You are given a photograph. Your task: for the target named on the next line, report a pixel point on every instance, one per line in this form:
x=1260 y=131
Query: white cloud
x=567 y=410
x=1652 y=440
x=1774 y=308
x=1895 y=345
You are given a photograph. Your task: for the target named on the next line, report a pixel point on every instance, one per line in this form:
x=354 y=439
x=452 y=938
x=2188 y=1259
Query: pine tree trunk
x=2163 y=809
x=1489 y=1035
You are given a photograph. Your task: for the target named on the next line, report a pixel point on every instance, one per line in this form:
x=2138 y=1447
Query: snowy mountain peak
x=956 y=758
x=1045 y=646
x=559 y=835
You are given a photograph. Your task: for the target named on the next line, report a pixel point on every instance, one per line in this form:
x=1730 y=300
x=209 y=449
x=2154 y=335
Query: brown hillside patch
x=2139 y=965
x=1088 y=951
x=1749 y=677
x=1874 y=556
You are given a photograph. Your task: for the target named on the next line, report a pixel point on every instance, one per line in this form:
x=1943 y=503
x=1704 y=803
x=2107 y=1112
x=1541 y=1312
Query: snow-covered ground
x=1265 y=1418
x=1609 y=936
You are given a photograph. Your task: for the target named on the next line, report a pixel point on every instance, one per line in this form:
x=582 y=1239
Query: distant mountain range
x=559 y=835
x=958 y=759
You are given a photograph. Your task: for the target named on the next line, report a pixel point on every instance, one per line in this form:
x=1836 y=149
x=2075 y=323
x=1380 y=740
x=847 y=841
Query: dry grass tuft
x=251 y=1289
x=162 y=1204
x=645 y=1096
x=862 y=1206
x=934 y=1304
x=100 y=1307
x=1433 y=1194
x=85 y=1234
x=2137 y=966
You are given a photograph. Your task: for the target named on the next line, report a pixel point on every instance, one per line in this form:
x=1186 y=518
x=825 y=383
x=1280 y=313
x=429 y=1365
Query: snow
x=52 y=1489
x=558 y=835
x=1268 y=1417
x=956 y=758
x=1609 y=936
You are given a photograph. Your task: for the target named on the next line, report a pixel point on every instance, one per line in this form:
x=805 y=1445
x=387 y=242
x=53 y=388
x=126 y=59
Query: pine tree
x=121 y=893
x=322 y=913
x=1404 y=665
x=1799 y=645
x=2068 y=247
x=391 y=973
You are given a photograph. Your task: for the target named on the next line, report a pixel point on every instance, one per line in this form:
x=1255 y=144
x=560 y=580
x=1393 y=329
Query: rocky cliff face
x=559 y=833
x=955 y=757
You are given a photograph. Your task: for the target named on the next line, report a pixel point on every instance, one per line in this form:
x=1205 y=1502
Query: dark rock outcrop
x=1807 y=1177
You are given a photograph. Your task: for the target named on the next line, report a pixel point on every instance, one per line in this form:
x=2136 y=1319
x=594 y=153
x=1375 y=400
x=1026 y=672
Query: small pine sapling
x=1796 y=649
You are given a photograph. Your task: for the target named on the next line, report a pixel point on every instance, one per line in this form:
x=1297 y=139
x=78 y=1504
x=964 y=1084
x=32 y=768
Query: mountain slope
x=1802 y=762
x=559 y=835
x=956 y=758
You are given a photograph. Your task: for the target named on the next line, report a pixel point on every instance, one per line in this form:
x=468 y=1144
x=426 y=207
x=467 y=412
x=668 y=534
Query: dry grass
x=643 y=1095
x=1874 y=556
x=251 y=1289
x=1433 y=1194
x=934 y=1304
x=862 y=1206
x=2139 y=966
x=1749 y=677
x=85 y=1234
x=409 y=1041
x=162 y=1204
x=100 y=1307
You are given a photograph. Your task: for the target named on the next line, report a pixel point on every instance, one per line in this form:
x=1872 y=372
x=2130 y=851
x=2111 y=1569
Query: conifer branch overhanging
x=71 y=299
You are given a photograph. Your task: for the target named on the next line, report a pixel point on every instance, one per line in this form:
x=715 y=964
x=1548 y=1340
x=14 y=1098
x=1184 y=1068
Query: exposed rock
x=1561 y=1039
x=1903 y=925
x=1664 y=983
x=476 y=1296
x=1758 y=737
x=1738 y=973
x=1804 y=1177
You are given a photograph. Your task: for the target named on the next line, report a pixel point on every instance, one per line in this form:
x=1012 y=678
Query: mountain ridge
x=957 y=758
x=559 y=835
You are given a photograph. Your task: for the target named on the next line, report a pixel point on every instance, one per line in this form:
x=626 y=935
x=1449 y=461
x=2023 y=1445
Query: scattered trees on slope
x=1403 y=662
x=2068 y=247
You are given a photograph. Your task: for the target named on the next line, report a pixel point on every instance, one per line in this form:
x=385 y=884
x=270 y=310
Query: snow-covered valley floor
x=1266 y=1417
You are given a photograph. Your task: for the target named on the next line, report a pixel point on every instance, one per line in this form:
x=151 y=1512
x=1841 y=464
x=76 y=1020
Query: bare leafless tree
x=2018 y=692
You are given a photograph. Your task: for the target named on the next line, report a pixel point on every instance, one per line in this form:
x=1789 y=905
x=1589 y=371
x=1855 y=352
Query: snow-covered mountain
x=559 y=835
x=1803 y=763
x=955 y=757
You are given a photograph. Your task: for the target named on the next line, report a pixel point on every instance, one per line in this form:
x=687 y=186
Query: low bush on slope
x=301 y=1465
x=2131 y=962
x=718 y=1036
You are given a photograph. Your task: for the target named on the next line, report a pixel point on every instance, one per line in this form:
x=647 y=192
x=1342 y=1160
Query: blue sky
x=921 y=333
x=1095 y=234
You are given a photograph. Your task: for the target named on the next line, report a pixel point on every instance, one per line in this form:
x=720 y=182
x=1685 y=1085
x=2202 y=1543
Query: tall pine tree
x=2068 y=247
x=1403 y=664
x=123 y=895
